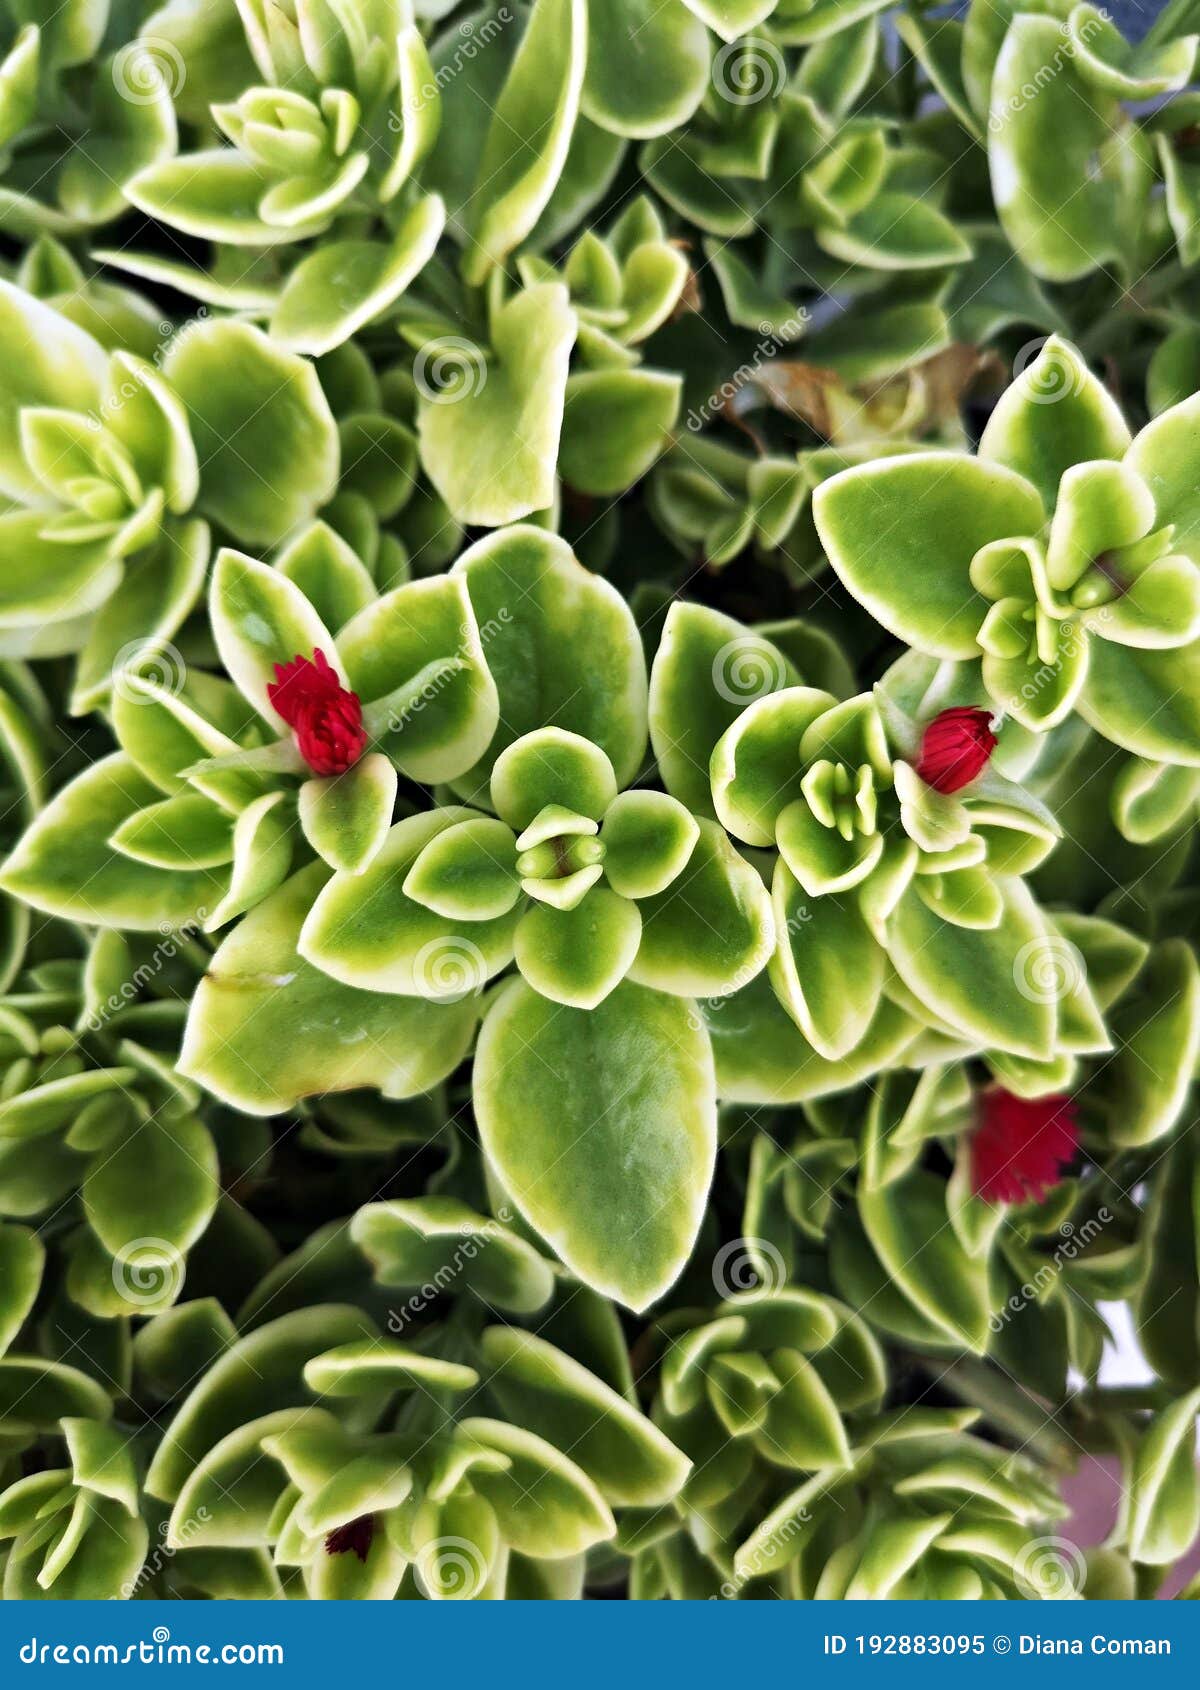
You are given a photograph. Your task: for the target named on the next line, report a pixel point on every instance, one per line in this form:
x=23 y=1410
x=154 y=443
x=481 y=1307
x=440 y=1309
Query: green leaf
x=1056 y=414
x=577 y=956
x=545 y=1504
x=266 y=1029
x=527 y=141
x=907 y=1226
x=366 y=931
x=64 y=865
x=346 y=817
x=601 y=1123
x=345 y=285
x=438 y=1240
x=647 y=65
x=901 y=533
x=616 y=423
x=711 y=930
x=1165 y=1513
x=22 y=1256
x=538 y=1387
x=490 y=441
x=648 y=838
x=47 y=361
x=468 y=872
x=562 y=646
x=159 y=1187
x=264 y=434
x=828 y=967
x=1145 y=700
x=984 y=982
x=708 y=669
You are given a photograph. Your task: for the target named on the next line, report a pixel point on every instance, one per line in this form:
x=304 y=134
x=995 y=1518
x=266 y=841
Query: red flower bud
x=325 y=718
x=1021 y=1145
x=356 y=1535
x=955 y=748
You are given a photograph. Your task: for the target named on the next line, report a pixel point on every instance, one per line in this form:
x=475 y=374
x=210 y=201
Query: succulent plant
x=600 y=755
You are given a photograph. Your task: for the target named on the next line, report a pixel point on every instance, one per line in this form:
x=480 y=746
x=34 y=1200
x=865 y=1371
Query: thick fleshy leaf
x=647 y=66
x=344 y=285
x=527 y=141
x=468 y=872
x=553 y=1396
x=648 y=838
x=346 y=818
x=420 y=1241
x=577 y=956
x=602 y=1125
x=1160 y=454
x=756 y=768
x=986 y=983
x=260 y=619
x=906 y=1223
x=1143 y=1086
x=828 y=967
x=1058 y=208
x=901 y=533
x=489 y=441
x=1056 y=414
x=21 y=1258
x=555 y=770
x=616 y=423
x=264 y=434
x=562 y=646
x=266 y=1029
x=545 y=1504
x=64 y=865
x=1147 y=701
x=47 y=361
x=708 y=669
x=416 y=658
x=711 y=930
x=1165 y=1486
x=365 y=930
x=215 y=194
x=159 y=1187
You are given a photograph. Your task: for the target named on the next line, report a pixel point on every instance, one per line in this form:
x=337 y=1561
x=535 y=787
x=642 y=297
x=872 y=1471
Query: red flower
x=955 y=748
x=326 y=719
x=1021 y=1145
x=357 y=1535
